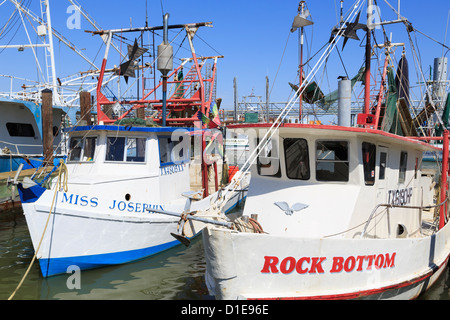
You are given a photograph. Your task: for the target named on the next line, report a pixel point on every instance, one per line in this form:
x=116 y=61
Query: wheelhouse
x=323 y=165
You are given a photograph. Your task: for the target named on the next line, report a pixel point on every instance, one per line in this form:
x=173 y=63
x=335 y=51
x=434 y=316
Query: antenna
x=146 y=13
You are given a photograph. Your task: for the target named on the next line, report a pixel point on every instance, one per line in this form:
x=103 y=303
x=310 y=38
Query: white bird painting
x=290 y=210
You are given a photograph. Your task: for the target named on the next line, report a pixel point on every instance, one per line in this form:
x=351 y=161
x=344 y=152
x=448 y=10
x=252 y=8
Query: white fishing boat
x=335 y=212
x=112 y=198
x=115 y=175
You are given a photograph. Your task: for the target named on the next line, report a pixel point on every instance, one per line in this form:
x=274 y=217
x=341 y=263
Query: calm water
x=174 y=275
x=177 y=274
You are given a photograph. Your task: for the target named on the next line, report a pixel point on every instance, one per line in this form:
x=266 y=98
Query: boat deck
x=429 y=223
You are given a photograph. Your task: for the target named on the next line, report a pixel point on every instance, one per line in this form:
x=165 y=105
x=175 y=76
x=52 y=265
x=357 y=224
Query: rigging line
x=14 y=16
x=342 y=61
x=423 y=78
x=32 y=48
x=162 y=9
x=318 y=51
x=446 y=29
x=7 y=24
x=279 y=65
x=278 y=121
x=438 y=42
x=382 y=26
x=207 y=44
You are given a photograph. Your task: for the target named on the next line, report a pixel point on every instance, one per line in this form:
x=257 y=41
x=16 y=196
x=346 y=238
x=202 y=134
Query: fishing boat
x=31 y=133
x=144 y=155
x=336 y=211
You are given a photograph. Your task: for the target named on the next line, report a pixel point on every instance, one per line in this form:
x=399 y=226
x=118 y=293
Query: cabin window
x=369 y=155
x=172 y=151
x=115 y=148
x=416 y=167
x=20 y=129
x=268 y=162
x=402 y=170
x=383 y=161
x=125 y=149
x=136 y=149
x=332 y=161
x=82 y=149
x=297 y=158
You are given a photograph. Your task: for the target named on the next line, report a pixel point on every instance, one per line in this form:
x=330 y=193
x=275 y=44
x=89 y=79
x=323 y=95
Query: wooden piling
x=47 y=123
x=85 y=107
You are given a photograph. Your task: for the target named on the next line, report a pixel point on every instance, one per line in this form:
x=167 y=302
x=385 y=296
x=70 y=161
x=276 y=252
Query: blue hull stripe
x=54 y=266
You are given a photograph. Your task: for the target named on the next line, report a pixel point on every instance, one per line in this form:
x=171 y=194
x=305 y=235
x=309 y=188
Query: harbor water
x=177 y=274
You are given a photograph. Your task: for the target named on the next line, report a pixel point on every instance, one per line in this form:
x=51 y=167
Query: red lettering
x=360 y=260
x=349 y=264
x=337 y=264
x=316 y=265
x=270 y=265
x=379 y=261
x=284 y=263
x=389 y=261
x=370 y=258
x=299 y=268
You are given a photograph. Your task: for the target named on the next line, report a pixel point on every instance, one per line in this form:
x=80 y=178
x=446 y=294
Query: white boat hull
x=263 y=266
x=86 y=237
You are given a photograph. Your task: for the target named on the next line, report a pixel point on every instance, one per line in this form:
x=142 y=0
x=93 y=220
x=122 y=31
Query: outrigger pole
x=174 y=26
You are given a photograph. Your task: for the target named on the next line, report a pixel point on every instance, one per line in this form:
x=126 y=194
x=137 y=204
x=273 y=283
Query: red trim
x=335 y=128
x=358 y=294
x=444 y=186
x=101 y=116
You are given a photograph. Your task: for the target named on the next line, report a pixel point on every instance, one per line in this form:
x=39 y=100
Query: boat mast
x=300 y=21
x=368 y=56
x=301 y=10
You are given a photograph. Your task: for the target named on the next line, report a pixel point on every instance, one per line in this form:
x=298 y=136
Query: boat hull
x=263 y=266
x=88 y=238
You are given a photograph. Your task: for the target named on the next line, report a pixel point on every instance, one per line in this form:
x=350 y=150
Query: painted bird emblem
x=290 y=210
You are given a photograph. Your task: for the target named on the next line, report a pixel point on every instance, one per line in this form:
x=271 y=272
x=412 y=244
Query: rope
x=251 y=225
x=60 y=184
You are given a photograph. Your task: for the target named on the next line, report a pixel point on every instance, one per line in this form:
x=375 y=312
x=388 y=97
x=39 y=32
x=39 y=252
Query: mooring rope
x=61 y=184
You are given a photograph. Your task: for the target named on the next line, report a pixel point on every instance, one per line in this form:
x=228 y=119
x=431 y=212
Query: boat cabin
x=320 y=181
x=21 y=132
x=133 y=164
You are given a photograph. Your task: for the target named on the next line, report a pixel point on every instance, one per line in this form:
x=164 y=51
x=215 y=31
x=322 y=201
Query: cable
x=60 y=184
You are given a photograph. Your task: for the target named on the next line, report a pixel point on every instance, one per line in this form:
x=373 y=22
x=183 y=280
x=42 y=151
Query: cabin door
x=382 y=174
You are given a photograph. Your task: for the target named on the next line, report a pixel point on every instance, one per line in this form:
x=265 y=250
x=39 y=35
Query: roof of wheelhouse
x=384 y=136
x=127 y=128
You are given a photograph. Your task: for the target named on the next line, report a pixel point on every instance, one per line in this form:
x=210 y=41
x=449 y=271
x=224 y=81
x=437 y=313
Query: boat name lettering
x=400 y=197
x=134 y=206
x=304 y=265
x=78 y=200
x=172 y=169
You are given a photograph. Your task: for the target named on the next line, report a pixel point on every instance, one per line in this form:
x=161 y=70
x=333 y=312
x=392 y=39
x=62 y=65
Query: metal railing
x=390 y=206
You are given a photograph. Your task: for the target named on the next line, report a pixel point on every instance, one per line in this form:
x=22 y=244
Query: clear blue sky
x=252 y=35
